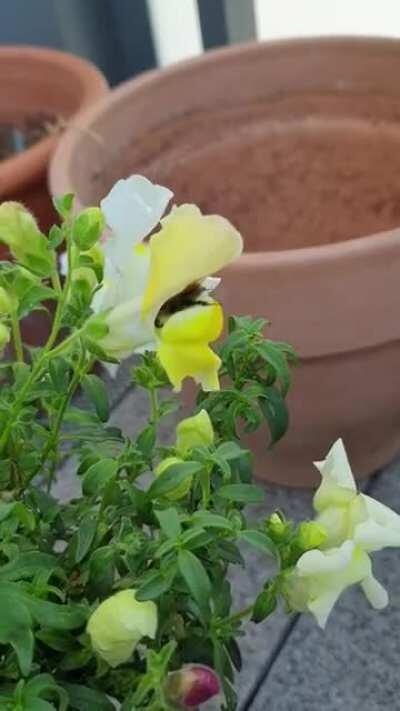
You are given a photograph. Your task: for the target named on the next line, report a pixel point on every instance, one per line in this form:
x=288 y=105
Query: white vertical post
x=176 y=29
x=289 y=18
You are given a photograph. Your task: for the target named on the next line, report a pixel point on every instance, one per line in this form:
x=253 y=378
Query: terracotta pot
x=34 y=82
x=298 y=143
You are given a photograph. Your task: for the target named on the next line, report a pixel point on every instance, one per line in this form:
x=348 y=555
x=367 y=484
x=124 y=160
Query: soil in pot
x=292 y=172
x=17 y=137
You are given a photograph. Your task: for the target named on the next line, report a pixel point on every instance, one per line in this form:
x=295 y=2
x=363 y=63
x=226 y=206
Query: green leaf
x=98 y=476
x=56 y=639
x=230 y=450
x=83 y=698
x=87 y=228
x=102 y=570
x=55 y=237
x=156 y=584
x=146 y=440
x=59 y=371
x=27 y=565
x=63 y=204
x=96 y=392
x=41 y=686
x=259 y=540
x=196 y=578
x=16 y=630
x=264 y=605
x=169 y=522
x=275 y=411
x=243 y=493
x=47 y=614
x=206 y=519
x=277 y=359
x=172 y=478
x=84 y=538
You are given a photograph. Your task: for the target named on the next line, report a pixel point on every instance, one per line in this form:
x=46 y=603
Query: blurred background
x=125 y=37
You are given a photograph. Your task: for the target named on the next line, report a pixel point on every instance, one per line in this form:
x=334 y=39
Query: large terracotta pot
x=298 y=143
x=40 y=82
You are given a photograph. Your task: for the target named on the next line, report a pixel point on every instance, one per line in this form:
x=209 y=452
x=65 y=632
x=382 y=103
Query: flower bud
x=183 y=488
x=4 y=336
x=277 y=528
x=310 y=535
x=19 y=231
x=5 y=302
x=88 y=227
x=118 y=624
x=196 y=431
x=191 y=686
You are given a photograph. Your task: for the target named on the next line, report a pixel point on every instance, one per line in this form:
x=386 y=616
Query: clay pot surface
x=298 y=143
x=36 y=81
x=40 y=82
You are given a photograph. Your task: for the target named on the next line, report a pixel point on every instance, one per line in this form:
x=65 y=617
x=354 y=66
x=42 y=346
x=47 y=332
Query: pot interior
x=290 y=172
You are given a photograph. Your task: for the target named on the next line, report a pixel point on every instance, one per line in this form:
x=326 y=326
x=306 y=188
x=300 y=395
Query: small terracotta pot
x=298 y=143
x=36 y=81
x=41 y=81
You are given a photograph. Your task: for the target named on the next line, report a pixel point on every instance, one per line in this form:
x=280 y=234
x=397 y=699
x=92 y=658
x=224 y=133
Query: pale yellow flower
x=156 y=294
x=195 y=431
x=320 y=577
x=119 y=623
x=347 y=514
x=355 y=525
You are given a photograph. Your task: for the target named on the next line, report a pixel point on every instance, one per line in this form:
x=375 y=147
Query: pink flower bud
x=192 y=685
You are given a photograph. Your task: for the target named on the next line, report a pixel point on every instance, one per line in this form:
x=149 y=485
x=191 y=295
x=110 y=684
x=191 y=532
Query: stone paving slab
x=354 y=663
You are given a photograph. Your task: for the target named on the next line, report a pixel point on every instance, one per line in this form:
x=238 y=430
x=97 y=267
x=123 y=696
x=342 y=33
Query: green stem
x=58 y=422
x=46 y=352
x=55 y=281
x=238 y=616
x=52 y=443
x=17 y=340
x=155 y=414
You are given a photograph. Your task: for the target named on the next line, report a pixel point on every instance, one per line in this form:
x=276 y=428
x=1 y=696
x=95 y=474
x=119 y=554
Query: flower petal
x=375 y=592
x=317 y=562
x=133 y=207
x=338 y=485
x=189 y=247
x=128 y=333
x=183 y=345
x=323 y=605
x=124 y=280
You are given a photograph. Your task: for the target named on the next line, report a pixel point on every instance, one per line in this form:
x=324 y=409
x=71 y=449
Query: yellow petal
x=183 y=346
x=189 y=247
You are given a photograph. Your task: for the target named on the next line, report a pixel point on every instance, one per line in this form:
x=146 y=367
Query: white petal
x=134 y=206
x=127 y=330
x=381 y=514
x=317 y=562
x=124 y=280
x=371 y=536
x=379 y=528
x=375 y=592
x=336 y=466
x=322 y=606
x=211 y=283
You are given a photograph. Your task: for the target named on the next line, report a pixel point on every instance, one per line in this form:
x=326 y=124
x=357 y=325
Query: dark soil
x=17 y=137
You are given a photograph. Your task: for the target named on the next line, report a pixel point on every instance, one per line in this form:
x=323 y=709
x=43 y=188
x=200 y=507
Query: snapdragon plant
x=120 y=598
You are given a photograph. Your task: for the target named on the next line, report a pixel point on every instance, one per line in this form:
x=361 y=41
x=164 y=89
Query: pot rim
x=59 y=178
x=22 y=168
